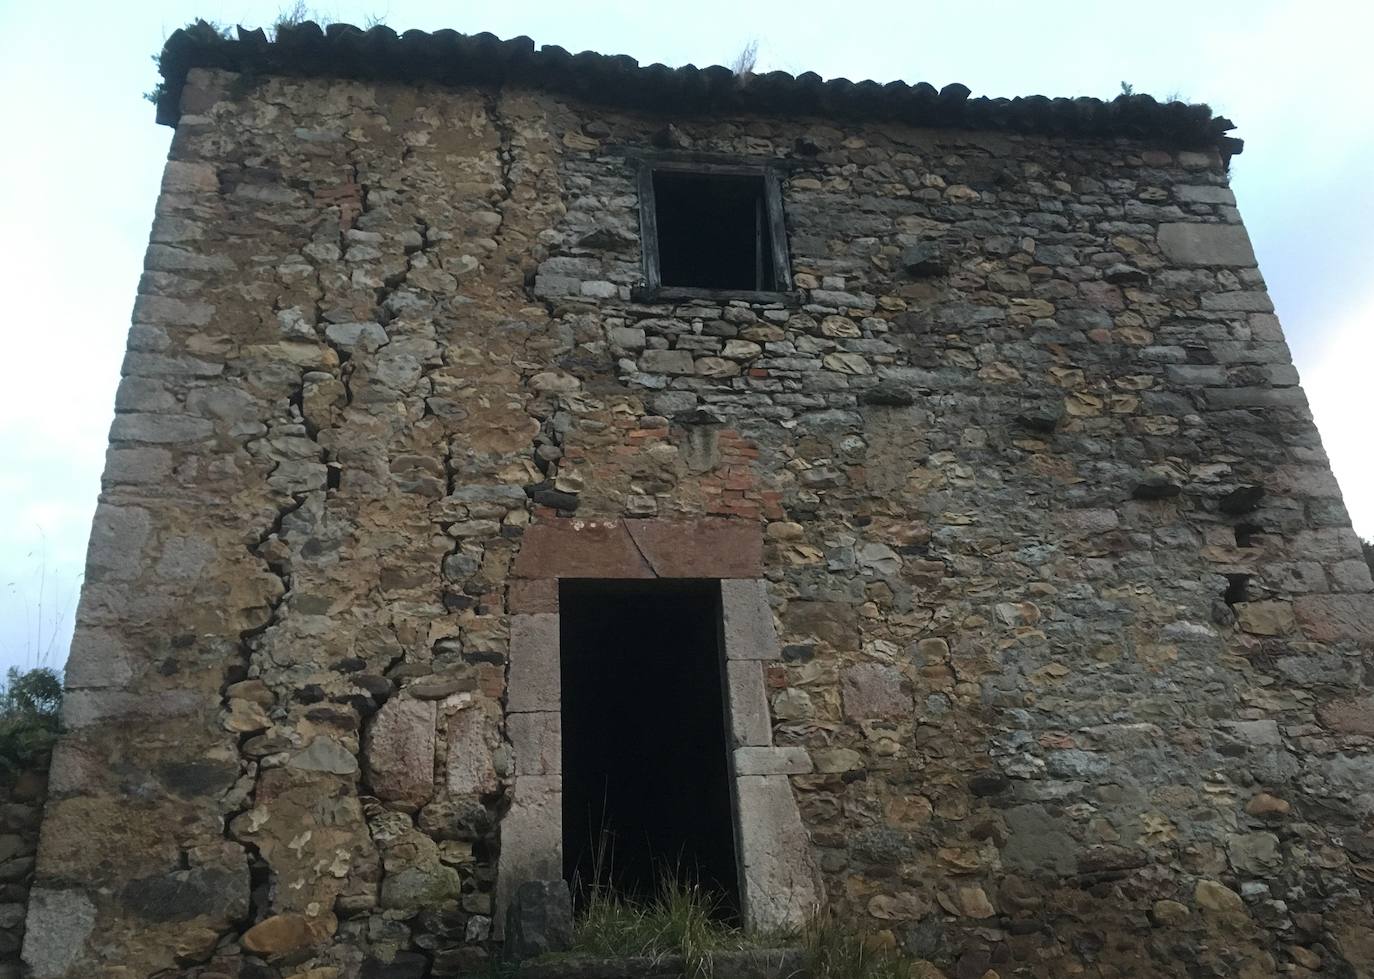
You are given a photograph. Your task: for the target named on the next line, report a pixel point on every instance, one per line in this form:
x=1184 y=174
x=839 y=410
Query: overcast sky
x=84 y=158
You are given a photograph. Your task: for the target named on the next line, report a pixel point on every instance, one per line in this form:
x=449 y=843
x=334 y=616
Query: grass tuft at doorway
x=683 y=919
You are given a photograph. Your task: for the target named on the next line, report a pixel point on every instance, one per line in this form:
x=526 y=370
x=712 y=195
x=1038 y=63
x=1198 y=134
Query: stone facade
x=1073 y=634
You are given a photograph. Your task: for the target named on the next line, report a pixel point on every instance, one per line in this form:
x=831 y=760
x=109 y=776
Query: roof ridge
x=448 y=57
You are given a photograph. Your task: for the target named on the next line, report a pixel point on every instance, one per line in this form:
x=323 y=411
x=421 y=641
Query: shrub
x=30 y=702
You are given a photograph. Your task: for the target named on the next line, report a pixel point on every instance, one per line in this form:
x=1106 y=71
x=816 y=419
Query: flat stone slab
x=1194 y=243
x=779 y=963
x=706 y=548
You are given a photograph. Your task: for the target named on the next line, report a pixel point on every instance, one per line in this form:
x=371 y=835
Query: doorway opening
x=646 y=790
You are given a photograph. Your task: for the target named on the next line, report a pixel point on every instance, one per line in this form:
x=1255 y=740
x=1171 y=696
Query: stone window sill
x=642 y=294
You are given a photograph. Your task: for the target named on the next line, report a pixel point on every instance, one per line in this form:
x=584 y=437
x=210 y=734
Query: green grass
x=836 y=951
x=683 y=919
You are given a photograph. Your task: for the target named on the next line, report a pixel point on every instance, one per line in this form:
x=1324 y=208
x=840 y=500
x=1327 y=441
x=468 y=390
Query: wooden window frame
x=653 y=288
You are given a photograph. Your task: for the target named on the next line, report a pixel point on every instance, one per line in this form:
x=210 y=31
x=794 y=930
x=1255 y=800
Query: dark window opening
x=1246 y=533
x=646 y=789
x=713 y=231
x=1237 y=589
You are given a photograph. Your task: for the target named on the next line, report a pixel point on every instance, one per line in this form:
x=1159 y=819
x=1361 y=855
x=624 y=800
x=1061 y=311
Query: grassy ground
x=683 y=920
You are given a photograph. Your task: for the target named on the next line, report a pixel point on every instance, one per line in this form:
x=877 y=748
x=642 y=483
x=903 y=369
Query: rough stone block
x=183 y=176
x=772 y=761
x=171 y=312
x=667 y=362
x=1204 y=194
x=98 y=659
x=534 y=683
x=1256 y=398
x=834 y=623
x=470 y=769
x=1349 y=715
x=748 y=620
x=1192 y=243
x=539 y=919
x=399 y=752
x=1334 y=618
x=537 y=741
x=160 y=429
x=1238 y=302
x=781 y=887
x=748 y=703
x=874 y=691
x=81 y=708
x=136 y=466
x=58 y=924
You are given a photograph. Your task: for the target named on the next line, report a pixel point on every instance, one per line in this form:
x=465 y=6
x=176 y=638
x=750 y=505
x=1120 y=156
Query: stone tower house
x=878 y=500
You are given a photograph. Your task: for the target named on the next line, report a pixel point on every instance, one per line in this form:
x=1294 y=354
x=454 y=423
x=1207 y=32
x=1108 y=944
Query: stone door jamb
x=779 y=883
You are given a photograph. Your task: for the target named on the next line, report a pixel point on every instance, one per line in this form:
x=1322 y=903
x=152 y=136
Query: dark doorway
x=646 y=787
x=713 y=231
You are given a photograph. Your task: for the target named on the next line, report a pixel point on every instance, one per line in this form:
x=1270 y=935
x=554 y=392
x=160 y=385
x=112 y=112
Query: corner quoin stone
x=1192 y=243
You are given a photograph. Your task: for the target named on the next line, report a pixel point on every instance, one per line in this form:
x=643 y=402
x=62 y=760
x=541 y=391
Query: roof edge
x=450 y=58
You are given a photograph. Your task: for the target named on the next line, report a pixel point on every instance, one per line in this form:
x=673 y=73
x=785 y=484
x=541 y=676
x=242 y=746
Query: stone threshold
x=772 y=963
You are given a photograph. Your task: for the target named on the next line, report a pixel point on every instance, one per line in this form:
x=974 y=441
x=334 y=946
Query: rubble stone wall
x=1075 y=630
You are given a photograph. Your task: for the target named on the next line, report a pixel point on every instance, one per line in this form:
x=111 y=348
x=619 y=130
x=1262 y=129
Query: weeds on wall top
x=293 y=16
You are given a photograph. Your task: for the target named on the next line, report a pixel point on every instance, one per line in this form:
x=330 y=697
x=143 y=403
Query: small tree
x=30 y=702
x=1368 y=548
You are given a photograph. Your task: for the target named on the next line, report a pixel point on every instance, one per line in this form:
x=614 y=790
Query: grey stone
x=772 y=761
x=160 y=429
x=749 y=630
x=58 y=925
x=531 y=839
x=781 y=888
x=324 y=755
x=877 y=559
x=539 y=919
x=1204 y=194
x=171 y=312
x=118 y=537
x=1254 y=853
x=536 y=739
x=534 y=683
x=471 y=768
x=82 y=708
x=136 y=466
x=98 y=659
x=1038 y=842
x=1193 y=243
x=1238 y=302
x=748 y=704
x=667 y=362
x=849 y=300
